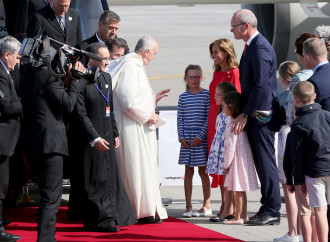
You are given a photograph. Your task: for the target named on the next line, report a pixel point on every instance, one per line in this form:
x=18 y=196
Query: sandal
x=234 y=222
x=217 y=219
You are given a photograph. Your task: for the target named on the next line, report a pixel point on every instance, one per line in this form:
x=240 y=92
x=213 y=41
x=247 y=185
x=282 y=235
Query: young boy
x=307 y=154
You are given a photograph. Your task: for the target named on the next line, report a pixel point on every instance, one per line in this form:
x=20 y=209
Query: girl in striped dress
x=193 y=110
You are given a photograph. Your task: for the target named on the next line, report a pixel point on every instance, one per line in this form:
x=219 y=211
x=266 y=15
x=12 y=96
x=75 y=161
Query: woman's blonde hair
x=226 y=46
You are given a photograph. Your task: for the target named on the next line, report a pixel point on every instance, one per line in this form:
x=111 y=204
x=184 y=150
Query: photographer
x=10 y=119
x=44 y=100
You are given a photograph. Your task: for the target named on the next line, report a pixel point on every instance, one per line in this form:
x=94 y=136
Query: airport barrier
x=171 y=173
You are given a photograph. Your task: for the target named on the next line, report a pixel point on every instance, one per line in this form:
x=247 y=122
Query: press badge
x=107 y=111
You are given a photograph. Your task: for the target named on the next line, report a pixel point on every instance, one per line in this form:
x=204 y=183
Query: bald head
x=246 y=16
x=147 y=48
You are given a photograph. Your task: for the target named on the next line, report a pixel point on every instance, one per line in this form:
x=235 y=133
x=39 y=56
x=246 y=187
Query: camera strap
x=47 y=56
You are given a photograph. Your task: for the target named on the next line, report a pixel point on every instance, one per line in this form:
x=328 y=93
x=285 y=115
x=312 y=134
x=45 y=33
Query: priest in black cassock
x=97 y=195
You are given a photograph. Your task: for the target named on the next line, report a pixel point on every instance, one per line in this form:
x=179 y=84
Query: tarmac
x=242 y=232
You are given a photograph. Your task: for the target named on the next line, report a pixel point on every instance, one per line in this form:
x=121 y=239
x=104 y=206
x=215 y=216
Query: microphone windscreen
x=93 y=56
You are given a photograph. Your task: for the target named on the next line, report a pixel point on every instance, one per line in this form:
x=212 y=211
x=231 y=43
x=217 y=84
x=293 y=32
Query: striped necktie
x=60 y=21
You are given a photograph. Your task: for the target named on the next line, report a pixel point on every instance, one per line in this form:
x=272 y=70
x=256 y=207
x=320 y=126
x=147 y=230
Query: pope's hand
x=153 y=119
x=162 y=94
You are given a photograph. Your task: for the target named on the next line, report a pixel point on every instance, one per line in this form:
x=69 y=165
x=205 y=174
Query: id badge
x=107 y=111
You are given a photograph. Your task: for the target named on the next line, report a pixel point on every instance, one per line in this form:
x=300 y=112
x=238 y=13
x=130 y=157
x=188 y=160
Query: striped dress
x=192 y=122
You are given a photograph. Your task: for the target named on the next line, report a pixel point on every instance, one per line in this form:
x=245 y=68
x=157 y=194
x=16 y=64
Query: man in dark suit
x=258 y=81
x=316 y=59
x=61 y=23
x=107 y=29
x=44 y=102
x=10 y=119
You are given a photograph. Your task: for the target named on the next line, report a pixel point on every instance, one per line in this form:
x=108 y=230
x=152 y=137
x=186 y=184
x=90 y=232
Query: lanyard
x=105 y=98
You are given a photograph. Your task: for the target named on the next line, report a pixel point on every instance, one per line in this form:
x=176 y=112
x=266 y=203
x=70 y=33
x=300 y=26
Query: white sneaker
x=301 y=239
x=287 y=238
x=202 y=214
x=187 y=214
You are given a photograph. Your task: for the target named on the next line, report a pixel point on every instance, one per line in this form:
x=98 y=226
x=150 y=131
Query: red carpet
x=24 y=223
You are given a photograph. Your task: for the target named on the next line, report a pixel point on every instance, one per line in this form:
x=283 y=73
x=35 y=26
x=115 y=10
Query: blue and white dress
x=192 y=122
x=215 y=161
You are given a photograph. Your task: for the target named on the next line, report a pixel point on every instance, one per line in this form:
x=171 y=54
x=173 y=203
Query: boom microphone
x=90 y=55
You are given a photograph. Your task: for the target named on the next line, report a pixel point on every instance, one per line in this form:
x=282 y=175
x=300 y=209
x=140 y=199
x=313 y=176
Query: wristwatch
x=245 y=115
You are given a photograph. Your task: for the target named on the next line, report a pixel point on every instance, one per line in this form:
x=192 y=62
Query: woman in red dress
x=225 y=70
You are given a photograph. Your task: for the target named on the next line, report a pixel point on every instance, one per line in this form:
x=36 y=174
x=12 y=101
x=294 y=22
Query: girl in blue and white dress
x=215 y=161
x=193 y=110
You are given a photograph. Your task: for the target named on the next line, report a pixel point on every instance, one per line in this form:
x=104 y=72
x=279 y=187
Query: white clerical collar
x=251 y=38
x=101 y=41
x=5 y=67
x=320 y=64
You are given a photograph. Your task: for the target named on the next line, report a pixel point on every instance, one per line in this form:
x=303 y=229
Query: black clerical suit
x=10 y=126
x=97 y=192
x=44 y=101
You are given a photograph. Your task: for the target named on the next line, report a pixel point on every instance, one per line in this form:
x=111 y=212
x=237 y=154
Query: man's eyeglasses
x=235 y=26
x=106 y=59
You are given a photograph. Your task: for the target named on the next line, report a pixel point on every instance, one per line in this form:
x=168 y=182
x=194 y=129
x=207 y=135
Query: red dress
x=218 y=77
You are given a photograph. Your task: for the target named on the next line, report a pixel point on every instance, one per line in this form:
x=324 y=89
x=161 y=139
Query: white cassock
x=134 y=103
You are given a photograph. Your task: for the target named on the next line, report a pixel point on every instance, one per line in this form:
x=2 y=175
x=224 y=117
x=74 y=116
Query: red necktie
x=245 y=48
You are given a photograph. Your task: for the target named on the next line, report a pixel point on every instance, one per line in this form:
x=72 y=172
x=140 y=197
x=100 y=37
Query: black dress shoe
x=150 y=220
x=4 y=236
x=264 y=219
x=256 y=216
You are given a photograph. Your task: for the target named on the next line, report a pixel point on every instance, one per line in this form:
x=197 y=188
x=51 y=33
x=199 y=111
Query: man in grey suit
x=10 y=119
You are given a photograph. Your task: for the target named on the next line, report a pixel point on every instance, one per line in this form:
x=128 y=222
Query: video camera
x=38 y=52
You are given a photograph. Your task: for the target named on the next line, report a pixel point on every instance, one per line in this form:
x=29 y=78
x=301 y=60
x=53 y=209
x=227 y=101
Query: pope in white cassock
x=134 y=110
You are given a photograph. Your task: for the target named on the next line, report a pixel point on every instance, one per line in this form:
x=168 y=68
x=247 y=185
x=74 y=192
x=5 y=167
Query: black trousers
x=4 y=181
x=262 y=145
x=50 y=173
